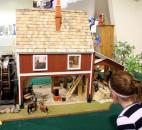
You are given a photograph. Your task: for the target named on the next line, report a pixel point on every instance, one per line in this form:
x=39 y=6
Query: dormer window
x=74 y=62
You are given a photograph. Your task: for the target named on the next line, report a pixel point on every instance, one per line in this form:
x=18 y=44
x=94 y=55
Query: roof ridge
x=39 y=9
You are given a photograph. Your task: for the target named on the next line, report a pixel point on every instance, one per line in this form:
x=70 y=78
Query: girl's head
x=124 y=86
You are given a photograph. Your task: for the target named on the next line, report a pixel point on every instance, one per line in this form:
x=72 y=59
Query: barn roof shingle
x=36 y=32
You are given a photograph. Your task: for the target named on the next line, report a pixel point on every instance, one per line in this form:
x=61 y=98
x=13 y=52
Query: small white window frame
x=46 y=63
x=79 y=66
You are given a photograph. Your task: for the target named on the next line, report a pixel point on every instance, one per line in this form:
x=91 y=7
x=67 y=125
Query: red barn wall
x=56 y=63
x=116 y=66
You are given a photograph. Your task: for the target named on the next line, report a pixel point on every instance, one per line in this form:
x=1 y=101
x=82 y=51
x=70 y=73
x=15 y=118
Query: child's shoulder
x=134 y=108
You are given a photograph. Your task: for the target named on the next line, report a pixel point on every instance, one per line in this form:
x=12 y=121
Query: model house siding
x=55 y=63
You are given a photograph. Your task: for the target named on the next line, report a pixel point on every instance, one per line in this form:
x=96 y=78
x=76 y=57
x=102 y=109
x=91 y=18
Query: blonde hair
x=123 y=83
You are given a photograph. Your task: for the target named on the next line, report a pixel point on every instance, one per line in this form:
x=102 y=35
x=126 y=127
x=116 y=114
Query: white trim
x=34 y=53
x=18 y=75
x=90 y=87
x=79 y=66
x=34 y=69
x=98 y=60
x=105 y=57
x=55 y=73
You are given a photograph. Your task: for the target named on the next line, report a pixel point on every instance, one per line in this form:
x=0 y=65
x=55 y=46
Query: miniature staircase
x=103 y=91
x=103 y=84
x=5 y=79
x=5 y=82
x=73 y=87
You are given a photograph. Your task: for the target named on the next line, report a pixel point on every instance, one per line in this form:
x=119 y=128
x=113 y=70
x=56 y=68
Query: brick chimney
x=58 y=15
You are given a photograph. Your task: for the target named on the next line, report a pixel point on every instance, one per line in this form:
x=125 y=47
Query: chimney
x=58 y=15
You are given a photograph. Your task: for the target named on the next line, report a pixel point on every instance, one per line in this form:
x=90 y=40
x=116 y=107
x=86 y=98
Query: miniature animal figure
x=43 y=107
x=32 y=105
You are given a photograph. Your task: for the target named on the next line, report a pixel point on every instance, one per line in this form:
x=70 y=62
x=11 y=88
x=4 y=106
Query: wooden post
x=80 y=88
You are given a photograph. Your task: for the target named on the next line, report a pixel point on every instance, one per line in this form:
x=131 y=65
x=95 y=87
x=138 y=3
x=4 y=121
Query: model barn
x=54 y=43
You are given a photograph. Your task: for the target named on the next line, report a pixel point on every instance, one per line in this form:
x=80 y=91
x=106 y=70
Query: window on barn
x=74 y=62
x=39 y=62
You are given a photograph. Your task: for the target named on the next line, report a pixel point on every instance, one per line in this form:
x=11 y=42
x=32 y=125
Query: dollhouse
x=54 y=43
x=57 y=43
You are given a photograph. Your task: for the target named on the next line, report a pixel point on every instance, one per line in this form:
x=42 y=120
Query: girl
x=128 y=93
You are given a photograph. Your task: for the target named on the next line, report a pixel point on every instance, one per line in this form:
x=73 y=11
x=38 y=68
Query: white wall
x=86 y=5
x=8 y=17
x=126 y=15
x=8 y=9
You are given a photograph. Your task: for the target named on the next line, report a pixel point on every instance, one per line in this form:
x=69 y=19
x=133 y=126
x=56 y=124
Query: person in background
x=127 y=92
x=5 y=64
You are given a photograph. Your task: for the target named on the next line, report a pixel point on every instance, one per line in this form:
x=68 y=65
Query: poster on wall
x=39 y=62
x=74 y=62
x=6 y=30
x=43 y=3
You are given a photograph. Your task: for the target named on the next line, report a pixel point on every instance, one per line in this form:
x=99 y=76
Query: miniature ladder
x=73 y=87
x=5 y=81
x=103 y=84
